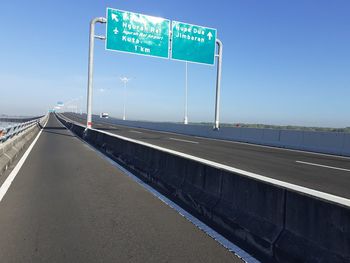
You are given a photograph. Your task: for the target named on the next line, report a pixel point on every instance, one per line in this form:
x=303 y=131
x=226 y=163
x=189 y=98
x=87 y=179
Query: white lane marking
x=180 y=140
x=134 y=131
x=298 y=188
x=245 y=256
x=6 y=185
x=324 y=166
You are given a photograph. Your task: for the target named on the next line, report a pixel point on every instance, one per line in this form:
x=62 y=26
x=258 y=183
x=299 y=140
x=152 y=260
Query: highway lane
x=67 y=204
x=329 y=174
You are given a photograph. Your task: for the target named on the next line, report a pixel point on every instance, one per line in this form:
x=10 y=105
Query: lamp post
x=125 y=80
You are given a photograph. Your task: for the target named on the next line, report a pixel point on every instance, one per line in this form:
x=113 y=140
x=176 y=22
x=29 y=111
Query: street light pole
x=125 y=80
x=124 y=111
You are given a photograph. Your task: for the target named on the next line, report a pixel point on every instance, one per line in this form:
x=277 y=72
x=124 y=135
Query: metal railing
x=13 y=130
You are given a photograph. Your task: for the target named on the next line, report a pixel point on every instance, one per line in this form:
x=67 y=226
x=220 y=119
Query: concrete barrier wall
x=322 y=142
x=319 y=228
x=346 y=147
x=11 y=149
x=274 y=223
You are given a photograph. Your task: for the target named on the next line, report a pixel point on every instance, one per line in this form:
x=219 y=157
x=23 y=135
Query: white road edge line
x=180 y=140
x=6 y=185
x=297 y=188
x=324 y=166
x=134 y=131
x=245 y=256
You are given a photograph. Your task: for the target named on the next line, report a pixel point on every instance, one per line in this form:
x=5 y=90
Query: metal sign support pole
x=186 y=91
x=101 y=20
x=218 y=85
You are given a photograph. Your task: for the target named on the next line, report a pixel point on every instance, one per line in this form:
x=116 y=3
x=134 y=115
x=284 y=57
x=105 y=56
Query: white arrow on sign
x=115 y=17
x=210 y=35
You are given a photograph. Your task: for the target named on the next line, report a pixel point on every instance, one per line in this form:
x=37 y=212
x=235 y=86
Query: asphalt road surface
x=329 y=174
x=67 y=204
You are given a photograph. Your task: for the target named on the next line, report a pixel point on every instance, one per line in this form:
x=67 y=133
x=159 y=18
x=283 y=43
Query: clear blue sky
x=285 y=62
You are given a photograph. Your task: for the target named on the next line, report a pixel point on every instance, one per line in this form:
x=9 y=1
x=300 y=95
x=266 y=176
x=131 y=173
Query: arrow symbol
x=210 y=35
x=116 y=31
x=115 y=17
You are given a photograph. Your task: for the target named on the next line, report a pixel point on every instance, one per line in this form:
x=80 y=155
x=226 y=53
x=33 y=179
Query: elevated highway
x=116 y=193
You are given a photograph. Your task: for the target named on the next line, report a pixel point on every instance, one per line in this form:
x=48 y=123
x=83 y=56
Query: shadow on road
x=58 y=133
x=54 y=128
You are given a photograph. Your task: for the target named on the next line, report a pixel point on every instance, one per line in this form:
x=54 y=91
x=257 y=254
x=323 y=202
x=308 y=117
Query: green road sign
x=137 y=33
x=193 y=43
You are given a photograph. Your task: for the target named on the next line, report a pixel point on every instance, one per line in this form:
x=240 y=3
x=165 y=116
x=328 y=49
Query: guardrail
x=15 y=138
x=13 y=130
x=19 y=119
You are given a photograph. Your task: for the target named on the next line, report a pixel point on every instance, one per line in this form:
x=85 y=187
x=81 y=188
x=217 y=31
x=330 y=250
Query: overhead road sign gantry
x=193 y=43
x=150 y=36
x=137 y=33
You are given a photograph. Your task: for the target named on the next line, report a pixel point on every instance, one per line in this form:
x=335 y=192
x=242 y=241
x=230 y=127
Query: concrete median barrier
x=251 y=211
x=201 y=187
x=78 y=130
x=272 y=222
x=314 y=230
x=172 y=174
